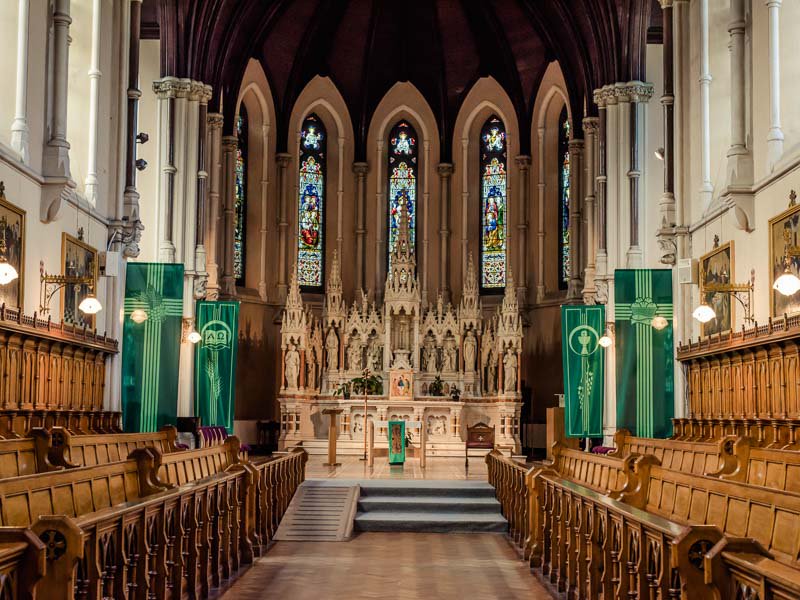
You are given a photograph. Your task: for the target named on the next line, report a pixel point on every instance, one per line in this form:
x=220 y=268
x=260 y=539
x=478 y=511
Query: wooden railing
x=16 y=423
x=510 y=480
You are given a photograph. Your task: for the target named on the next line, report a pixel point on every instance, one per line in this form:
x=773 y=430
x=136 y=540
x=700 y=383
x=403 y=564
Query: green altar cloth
x=583 y=360
x=397 y=442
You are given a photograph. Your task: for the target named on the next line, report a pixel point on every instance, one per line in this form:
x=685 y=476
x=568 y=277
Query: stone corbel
x=56 y=191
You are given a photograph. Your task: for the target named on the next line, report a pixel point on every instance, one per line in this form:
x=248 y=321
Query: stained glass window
x=311 y=206
x=493 y=204
x=240 y=200
x=402 y=171
x=563 y=199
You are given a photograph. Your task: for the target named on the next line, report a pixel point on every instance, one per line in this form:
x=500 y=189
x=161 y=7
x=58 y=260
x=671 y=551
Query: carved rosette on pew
x=462 y=365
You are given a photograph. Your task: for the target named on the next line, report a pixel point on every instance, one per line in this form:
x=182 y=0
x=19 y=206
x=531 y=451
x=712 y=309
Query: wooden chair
x=479 y=436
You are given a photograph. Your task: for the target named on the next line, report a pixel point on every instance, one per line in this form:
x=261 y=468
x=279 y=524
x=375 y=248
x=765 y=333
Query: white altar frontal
x=447 y=367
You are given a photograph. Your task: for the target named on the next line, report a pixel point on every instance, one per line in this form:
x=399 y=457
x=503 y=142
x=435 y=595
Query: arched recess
x=545 y=163
x=486 y=98
x=402 y=101
x=321 y=97
x=261 y=212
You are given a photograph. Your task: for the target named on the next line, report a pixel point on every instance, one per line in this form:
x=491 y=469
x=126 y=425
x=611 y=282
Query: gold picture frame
x=77 y=259
x=717 y=266
x=12 y=225
x=788 y=219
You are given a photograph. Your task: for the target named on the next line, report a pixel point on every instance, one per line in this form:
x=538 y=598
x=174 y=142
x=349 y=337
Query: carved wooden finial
x=716 y=241
x=792 y=198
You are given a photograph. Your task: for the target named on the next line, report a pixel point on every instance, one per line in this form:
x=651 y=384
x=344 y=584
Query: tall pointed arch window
x=311 y=205
x=563 y=200
x=403 y=175
x=494 y=188
x=240 y=198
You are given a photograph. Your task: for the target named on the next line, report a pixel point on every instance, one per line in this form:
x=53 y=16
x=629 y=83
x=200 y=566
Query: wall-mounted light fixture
x=742 y=292
x=659 y=152
x=608 y=336
x=49 y=285
x=139 y=316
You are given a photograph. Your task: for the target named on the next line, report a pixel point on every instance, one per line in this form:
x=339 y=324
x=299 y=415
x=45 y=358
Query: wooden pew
x=777 y=470
x=700 y=458
x=22 y=562
x=15 y=423
x=656 y=535
x=122 y=531
x=26 y=456
x=603 y=473
x=70 y=450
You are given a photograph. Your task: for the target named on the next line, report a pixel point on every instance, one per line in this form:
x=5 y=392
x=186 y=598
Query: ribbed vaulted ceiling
x=366 y=46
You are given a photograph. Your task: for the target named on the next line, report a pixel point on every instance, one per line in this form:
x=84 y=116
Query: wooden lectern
x=333 y=429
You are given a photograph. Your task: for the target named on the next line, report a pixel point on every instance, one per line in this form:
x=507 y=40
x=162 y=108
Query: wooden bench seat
x=700 y=458
x=777 y=470
x=16 y=423
x=72 y=450
x=603 y=473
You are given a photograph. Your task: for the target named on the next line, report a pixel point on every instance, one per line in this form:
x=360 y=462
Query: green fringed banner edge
x=584 y=363
x=397 y=458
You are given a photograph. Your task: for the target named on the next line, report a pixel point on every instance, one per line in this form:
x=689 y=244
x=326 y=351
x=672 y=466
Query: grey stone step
x=472 y=489
x=431 y=522
x=422 y=503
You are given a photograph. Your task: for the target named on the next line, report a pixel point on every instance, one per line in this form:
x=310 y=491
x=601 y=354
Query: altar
x=401 y=359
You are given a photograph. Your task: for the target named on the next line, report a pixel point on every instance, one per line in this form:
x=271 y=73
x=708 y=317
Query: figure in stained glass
x=493 y=204
x=402 y=186
x=564 y=197
x=240 y=197
x=311 y=204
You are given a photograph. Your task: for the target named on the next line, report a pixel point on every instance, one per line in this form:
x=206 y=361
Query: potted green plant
x=343 y=390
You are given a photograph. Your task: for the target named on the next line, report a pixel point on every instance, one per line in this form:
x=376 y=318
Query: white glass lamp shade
x=139 y=316
x=659 y=323
x=90 y=305
x=605 y=341
x=704 y=313
x=7 y=272
x=787 y=284
x=193 y=337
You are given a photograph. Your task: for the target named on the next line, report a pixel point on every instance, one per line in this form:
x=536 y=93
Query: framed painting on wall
x=78 y=259
x=784 y=230
x=12 y=247
x=716 y=267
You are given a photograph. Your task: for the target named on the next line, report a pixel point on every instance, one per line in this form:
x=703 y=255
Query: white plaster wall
x=147 y=180
x=8 y=66
x=651 y=187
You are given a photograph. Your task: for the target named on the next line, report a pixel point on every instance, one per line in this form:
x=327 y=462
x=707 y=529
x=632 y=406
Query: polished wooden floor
x=410 y=566
x=436 y=468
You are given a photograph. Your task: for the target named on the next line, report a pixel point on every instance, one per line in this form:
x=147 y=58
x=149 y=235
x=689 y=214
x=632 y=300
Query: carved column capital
x=361 y=168
x=215 y=120
x=591 y=125
x=229 y=143
x=283 y=159
x=445 y=169
x=523 y=161
x=172 y=87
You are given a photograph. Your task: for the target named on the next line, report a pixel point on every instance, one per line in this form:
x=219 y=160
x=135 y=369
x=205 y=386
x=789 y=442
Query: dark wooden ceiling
x=440 y=46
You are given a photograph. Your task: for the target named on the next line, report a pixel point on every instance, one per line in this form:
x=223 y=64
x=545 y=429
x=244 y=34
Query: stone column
x=202 y=195
x=19 y=128
x=129 y=223
x=465 y=207
x=228 y=283
x=263 y=292
x=90 y=184
x=283 y=159
x=706 y=187
x=575 y=284
x=523 y=165
x=56 y=152
x=540 y=234
x=740 y=161
x=590 y=125
x=214 y=222
x=381 y=216
x=666 y=231
x=775 y=136
x=445 y=171
x=361 y=169
x=168 y=90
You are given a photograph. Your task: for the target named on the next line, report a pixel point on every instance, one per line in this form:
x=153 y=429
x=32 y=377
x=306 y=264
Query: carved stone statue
x=354 y=354
x=470 y=348
x=332 y=346
x=491 y=374
x=292 y=367
x=510 y=371
x=311 y=371
x=375 y=356
x=449 y=356
x=429 y=356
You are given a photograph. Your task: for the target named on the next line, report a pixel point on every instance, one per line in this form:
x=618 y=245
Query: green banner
x=583 y=361
x=397 y=442
x=644 y=351
x=151 y=345
x=215 y=362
